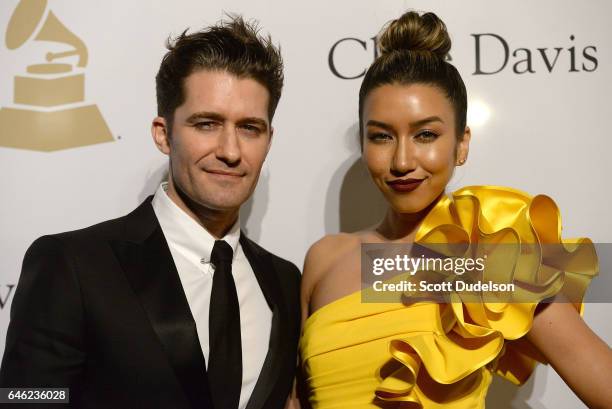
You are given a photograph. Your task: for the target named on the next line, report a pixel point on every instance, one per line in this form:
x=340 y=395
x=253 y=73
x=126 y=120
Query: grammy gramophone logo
x=49 y=111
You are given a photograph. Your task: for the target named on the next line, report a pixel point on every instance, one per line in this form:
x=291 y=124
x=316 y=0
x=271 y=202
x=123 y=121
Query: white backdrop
x=542 y=132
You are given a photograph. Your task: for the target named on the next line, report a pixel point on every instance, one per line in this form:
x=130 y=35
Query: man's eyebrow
x=205 y=115
x=255 y=120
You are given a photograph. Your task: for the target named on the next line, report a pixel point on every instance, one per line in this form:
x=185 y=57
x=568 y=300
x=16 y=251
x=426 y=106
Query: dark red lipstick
x=404 y=185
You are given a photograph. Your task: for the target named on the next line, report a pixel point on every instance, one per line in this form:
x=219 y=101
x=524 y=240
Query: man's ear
x=160 y=134
x=463 y=146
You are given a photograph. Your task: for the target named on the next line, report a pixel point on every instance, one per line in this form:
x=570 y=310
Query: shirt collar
x=185 y=234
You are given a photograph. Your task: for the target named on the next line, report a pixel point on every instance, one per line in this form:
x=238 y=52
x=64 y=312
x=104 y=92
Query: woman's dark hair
x=233 y=46
x=413 y=50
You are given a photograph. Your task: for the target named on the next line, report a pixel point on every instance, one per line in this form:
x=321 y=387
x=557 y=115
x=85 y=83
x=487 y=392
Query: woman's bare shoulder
x=326 y=253
x=328 y=249
x=332 y=251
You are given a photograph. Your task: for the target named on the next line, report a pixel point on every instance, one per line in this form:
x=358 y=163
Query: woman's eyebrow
x=424 y=121
x=373 y=122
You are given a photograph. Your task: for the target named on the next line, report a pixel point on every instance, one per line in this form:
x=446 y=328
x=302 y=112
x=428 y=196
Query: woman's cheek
x=438 y=159
x=375 y=162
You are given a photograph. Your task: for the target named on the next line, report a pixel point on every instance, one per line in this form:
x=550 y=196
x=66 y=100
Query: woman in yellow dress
x=354 y=354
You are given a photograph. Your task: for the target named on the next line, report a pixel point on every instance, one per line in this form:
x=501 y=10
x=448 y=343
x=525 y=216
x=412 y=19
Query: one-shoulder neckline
x=329 y=304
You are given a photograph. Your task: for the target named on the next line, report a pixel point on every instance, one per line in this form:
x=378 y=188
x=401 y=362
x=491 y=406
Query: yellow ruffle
x=476 y=336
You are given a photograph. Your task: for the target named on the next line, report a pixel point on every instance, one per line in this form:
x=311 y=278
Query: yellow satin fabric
x=426 y=355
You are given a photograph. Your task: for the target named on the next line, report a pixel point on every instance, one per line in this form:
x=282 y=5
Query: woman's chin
x=411 y=205
x=408 y=208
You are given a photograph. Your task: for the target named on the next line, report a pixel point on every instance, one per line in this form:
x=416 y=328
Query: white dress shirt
x=191 y=245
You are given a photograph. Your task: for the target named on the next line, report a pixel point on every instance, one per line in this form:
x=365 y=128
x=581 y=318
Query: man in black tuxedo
x=172 y=306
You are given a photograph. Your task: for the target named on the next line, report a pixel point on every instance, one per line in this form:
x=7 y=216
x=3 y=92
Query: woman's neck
x=402 y=227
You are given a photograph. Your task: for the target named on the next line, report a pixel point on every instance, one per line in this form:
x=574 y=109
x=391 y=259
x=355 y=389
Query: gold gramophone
x=53 y=117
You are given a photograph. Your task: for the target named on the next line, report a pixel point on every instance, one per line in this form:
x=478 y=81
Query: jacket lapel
x=266 y=277
x=149 y=267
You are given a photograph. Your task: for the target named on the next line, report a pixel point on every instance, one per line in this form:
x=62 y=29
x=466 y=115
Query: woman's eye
x=426 y=136
x=379 y=137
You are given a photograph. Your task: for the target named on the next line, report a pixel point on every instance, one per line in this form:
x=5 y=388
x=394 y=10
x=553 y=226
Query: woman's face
x=410 y=145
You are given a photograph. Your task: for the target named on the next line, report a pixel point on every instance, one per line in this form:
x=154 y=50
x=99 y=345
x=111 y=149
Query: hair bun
x=413 y=32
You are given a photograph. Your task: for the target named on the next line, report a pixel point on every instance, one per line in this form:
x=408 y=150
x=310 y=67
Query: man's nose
x=228 y=146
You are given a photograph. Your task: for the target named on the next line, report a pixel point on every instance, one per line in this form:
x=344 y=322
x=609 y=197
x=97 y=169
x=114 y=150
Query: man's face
x=220 y=138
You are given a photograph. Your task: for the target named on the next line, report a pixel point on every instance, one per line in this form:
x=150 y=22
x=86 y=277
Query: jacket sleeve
x=45 y=337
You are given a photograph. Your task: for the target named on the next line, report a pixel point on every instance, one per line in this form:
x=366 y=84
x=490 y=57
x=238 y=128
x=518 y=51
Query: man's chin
x=223 y=204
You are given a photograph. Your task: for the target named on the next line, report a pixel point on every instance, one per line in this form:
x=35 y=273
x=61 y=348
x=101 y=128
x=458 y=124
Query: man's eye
x=251 y=128
x=379 y=137
x=205 y=125
x=426 y=136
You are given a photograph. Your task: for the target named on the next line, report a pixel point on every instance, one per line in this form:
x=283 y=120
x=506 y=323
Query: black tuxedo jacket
x=103 y=312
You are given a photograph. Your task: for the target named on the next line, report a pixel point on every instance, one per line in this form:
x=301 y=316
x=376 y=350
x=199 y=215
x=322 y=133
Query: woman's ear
x=463 y=147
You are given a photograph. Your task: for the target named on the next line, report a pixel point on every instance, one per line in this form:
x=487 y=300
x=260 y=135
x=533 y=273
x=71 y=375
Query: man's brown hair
x=234 y=46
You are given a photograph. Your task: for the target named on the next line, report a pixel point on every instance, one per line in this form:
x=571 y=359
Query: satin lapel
x=148 y=265
x=266 y=277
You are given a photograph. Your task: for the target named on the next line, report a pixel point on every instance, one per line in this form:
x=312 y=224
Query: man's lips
x=404 y=185
x=218 y=172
